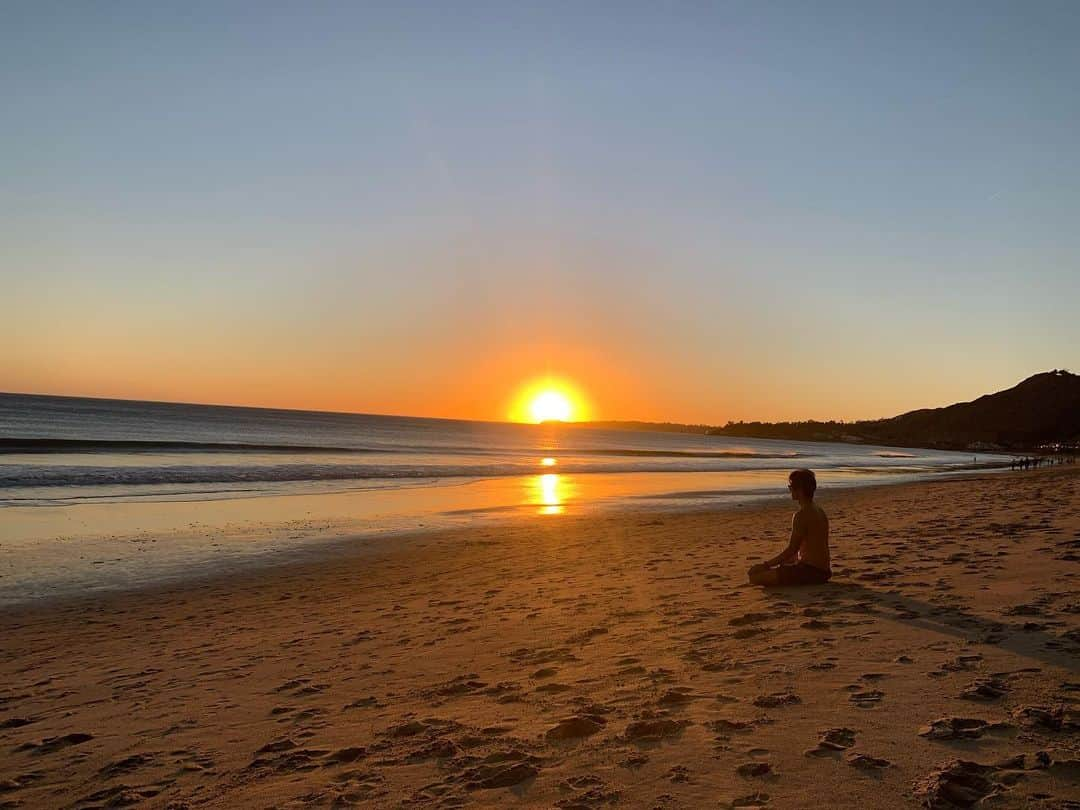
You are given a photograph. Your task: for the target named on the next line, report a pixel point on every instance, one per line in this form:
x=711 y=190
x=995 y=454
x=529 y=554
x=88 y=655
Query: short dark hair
x=805 y=481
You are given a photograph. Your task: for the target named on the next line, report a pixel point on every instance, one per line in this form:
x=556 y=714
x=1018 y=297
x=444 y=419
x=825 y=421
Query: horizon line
x=502 y=421
x=350 y=413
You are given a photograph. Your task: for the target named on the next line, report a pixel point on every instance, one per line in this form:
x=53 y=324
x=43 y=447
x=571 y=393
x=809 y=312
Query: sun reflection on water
x=549 y=491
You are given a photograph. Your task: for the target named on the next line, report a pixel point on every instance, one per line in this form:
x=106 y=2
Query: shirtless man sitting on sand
x=805 y=561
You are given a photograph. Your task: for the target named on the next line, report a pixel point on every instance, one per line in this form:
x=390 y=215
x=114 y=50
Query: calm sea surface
x=57 y=450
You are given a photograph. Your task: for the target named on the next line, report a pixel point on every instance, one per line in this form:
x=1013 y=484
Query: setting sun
x=551 y=405
x=549 y=401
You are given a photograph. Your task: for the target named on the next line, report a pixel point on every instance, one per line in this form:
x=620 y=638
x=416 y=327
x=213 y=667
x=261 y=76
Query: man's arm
x=798 y=531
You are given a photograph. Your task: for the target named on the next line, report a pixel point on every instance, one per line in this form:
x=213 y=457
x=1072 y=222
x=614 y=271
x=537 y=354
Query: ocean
x=61 y=450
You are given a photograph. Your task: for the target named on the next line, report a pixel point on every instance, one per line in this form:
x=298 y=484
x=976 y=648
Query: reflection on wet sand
x=550 y=491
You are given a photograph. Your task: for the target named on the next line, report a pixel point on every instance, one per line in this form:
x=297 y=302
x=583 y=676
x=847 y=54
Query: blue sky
x=698 y=212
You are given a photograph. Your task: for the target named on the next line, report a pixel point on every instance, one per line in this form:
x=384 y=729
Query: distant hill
x=1043 y=409
x=661 y=427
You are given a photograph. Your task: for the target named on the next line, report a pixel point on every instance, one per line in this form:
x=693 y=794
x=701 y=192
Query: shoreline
x=142 y=542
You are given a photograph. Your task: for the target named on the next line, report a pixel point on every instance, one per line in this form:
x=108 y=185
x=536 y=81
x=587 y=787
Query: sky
x=694 y=212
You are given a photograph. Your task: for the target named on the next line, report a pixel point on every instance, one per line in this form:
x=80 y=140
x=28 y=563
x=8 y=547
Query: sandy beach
x=581 y=662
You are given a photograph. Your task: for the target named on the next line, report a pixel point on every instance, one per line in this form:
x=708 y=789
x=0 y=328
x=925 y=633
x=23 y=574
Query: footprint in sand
x=1055 y=718
x=867 y=699
x=127 y=765
x=865 y=762
x=119 y=796
x=679 y=774
x=961 y=783
x=960 y=728
x=725 y=728
x=754 y=769
x=553 y=688
x=576 y=727
x=345 y=755
x=634 y=761
x=748 y=618
x=985 y=689
x=584 y=782
x=752 y=801
x=747 y=632
x=307 y=715
x=17 y=722
x=832 y=741
x=51 y=744
x=192 y=761
x=678 y=696
x=359 y=787
x=586 y=635
x=276 y=747
x=651 y=730
x=19 y=782
x=776 y=699
x=284 y=756
x=462 y=685
x=599 y=795
x=1025 y=610
x=407 y=729
x=435 y=749
x=488 y=777
x=295 y=683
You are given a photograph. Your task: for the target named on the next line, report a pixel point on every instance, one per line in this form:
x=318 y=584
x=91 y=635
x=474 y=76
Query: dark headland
x=1042 y=412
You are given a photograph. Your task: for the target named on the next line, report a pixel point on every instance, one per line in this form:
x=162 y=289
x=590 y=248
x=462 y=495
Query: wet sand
x=94 y=544
x=583 y=661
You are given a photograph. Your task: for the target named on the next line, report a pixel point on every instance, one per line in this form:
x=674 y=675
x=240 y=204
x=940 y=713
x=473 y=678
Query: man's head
x=802 y=484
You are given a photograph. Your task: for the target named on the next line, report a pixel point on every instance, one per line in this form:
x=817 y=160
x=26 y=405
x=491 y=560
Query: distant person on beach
x=805 y=561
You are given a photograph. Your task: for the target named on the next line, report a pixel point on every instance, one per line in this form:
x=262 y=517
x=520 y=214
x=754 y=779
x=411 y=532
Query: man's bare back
x=812 y=525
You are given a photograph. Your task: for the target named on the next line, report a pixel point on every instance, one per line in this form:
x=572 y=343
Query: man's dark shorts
x=801 y=574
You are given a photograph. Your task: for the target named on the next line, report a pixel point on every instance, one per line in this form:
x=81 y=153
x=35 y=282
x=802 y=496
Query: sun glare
x=550 y=406
x=549 y=401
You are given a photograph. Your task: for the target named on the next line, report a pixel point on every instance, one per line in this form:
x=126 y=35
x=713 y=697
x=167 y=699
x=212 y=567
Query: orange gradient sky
x=461 y=342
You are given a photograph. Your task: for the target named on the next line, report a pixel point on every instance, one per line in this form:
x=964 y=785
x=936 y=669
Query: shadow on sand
x=849 y=597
